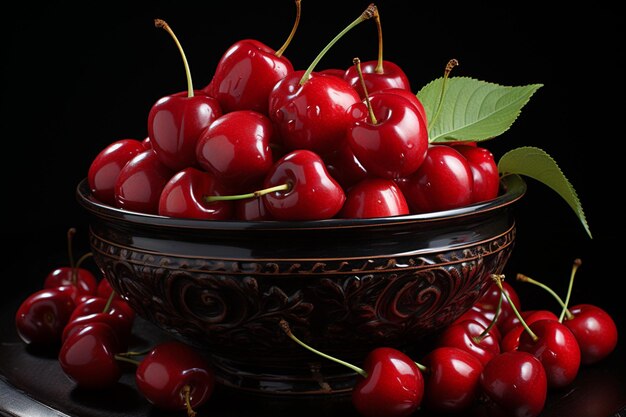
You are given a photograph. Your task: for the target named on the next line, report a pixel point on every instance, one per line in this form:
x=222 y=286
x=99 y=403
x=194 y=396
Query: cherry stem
x=70 y=253
x=524 y=278
x=357 y=63
x=163 y=24
x=281 y=51
x=379 y=65
x=123 y=358
x=135 y=353
x=480 y=337
x=449 y=66
x=187 y=394
x=285 y=326
x=422 y=368
x=498 y=279
x=76 y=267
x=109 y=301
x=367 y=14
x=255 y=194
x=577 y=263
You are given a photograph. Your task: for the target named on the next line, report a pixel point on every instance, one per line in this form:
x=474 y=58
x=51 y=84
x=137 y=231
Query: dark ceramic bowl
x=345 y=286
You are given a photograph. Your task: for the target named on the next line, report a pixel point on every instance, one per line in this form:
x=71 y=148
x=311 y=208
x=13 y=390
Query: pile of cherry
x=262 y=141
x=89 y=326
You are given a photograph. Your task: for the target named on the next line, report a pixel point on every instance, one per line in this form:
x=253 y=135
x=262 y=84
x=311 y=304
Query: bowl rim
x=513 y=185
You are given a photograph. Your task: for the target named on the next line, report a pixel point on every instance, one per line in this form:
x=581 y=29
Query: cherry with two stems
x=553 y=344
x=594 y=328
x=309 y=109
x=378 y=74
x=388 y=137
x=176 y=121
x=390 y=384
x=248 y=71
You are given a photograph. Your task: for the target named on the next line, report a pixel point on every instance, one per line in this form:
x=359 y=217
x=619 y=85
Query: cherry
x=594 y=329
x=391 y=142
x=175 y=376
x=390 y=383
x=298 y=187
x=514 y=384
x=553 y=344
x=87 y=356
x=176 y=121
x=183 y=196
x=106 y=167
x=116 y=318
x=488 y=303
x=412 y=98
x=247 y=72
x=510 y=340
x=379 y=74
x=375 y=197
x=141 y=182
x=235 y=148
x=42 y=316
x=74 y=275
x=486 y=179
x=477 y=314
x=344 y=166
x=309 y=109
x=451 y=379
x=443 y=181
x=472 y=337
x=97 y=304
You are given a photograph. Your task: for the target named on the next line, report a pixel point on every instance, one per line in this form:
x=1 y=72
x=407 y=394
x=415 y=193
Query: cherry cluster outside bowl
x=345 y=286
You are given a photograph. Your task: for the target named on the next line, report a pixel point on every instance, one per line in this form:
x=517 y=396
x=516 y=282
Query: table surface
x=32 y=384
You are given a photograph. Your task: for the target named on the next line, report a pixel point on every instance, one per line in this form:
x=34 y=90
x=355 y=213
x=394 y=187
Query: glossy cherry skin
x=451 y=383
x=312 y=115
x=594 y=329
x=556 y=348
x=312 y=195
x=251 y=209
x=141 y=182
x=344 y=166
x=443 y=181
x=476 y=314
x=86 y=282
x=510 y=340
x=463 y=335
x=106 y=167
x=183 y=196
x=336 y=72
x=393 y=147
x=374 y=197
x=42 y=316
x=412 y=99
x=97 y=304
x=394 y=386
x=392 y=76
x=245 y=76
x=514 y=384
x=236 y=149
x=104 y=290
x=115 y=318
x=174 y=126
x=488 y=303
x=87 y=356
x=167 y=369
x=486 y=179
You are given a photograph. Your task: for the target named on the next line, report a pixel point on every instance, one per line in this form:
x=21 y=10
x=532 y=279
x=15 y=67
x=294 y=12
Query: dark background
x=78 y=77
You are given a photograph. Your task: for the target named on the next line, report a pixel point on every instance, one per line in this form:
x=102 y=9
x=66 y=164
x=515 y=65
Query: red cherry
x=115 y=318
x=595 y=331
x=374 y=197
x=343 y=166
x=391 y=142
x=141 y=182
x=510 y=340
x=174 y=373
x=73 y=275
x=176 y=121
x=514 y=384
x=87 y=356
x=451 y=380
x=476 y=314
x=393 y=385
x=183 y=196
x=309 y=109
x=106 y=167
x=412 y=98
x=98 y=304
x=486 y=179
x=469 y=335
x=488 y=303
x=235 y=148
x=104 y=290
x=247 y=72
x=41 y=317
x=557 y=349
x=442 y=182
x=312 y=194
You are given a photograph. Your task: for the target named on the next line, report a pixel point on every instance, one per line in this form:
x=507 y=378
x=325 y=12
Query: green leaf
x=472 y=109
x=537 y=164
